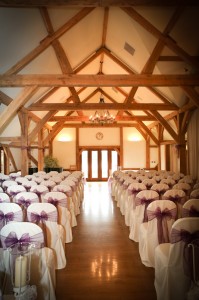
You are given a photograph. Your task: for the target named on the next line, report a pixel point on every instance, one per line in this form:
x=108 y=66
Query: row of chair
x=163 y=223
x=47 y=215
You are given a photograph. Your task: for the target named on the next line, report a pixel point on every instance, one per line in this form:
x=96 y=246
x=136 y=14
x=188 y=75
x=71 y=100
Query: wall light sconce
x=64 y=138
x=134 y=138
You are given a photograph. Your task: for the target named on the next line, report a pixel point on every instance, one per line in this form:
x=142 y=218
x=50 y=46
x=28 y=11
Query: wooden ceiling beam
x=166 y=39
x=46 y=42
x=95 y=106
x=15 y=105
x=166 y=125
x=192 y=93
x=52 y=80
x=96 y=3
x=86 y=118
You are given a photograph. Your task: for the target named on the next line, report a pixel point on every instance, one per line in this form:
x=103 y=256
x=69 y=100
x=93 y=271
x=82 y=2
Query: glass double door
x=97 y=164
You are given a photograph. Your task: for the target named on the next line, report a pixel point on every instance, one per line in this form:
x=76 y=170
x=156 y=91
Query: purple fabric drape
x=192 y=212
x=8 y=217
x=11 y=239
x=162 y=218
x=40 y=220
x=187 y=238
x=57 y=202
x=144 y=201
x=134 y=191
x=176 y=199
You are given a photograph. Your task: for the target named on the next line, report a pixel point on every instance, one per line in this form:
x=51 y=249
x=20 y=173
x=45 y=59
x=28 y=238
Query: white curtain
x=193 y=144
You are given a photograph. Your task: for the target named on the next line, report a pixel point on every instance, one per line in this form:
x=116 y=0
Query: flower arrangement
x=51 y=162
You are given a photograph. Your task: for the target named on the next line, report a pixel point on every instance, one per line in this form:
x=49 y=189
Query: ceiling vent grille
x=129 y=48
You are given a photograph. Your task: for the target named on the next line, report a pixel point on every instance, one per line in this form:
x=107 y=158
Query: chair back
x=21 y=232
x=161 y=215
x=13 y=190
x=10 y=212
x=160 y=188
x=143 y=199
x=24 y=199
x=40 y=190
x=184 y=231
x=4 y=197
x=194 y=194
x=191 y=208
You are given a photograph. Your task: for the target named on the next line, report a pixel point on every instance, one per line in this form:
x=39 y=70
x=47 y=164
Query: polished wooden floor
x=102 y=262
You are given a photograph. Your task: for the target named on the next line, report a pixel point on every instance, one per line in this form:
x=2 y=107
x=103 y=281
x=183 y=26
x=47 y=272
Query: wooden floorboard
x=102 y=262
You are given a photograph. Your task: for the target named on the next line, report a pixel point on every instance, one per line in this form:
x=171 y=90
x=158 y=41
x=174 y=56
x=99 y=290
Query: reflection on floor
x=102 y=262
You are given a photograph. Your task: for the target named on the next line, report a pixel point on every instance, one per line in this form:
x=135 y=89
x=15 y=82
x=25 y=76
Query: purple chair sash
x=192 y=212
x=24 y=202
x=11 y=239
x=176 y=199
x=144 y=201
x=134 y=191
x=187 y=237
x=162 y=218
x=8 y=217
x=57 y=202
x=40 y=220
x=42 y=217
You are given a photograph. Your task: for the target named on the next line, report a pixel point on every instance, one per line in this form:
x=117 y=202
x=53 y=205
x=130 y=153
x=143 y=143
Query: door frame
x=98 y=148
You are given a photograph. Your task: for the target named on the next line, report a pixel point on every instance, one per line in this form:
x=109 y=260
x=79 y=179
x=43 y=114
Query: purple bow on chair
x=24 y=202
x=133 y=191
x=177 y=199
x=5 y=218
x=57 y=202
x=8 y=217
x=188 y=238
x=12 y=239
x=192 y=212
x=42 y=217
x=162 y=218
x=144 y=201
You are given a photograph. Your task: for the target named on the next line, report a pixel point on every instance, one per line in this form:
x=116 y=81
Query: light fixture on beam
x=102 y=116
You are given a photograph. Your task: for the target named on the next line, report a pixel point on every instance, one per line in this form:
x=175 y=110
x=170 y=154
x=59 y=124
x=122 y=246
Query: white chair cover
x=173 y=261
x=142 y=200
x=13 y=190
x=124 y=194
x=7 y=183
x=45 y=215
x=65 y=173
x=160 y=188
x=194 y=194
x=149 y=183
x=40 y=190
x=28 y=184
x=75 y=199
x=169 y=181
x=191 y=208
x=186 y=187
x=67 y=190
x=161 y=216
x=42 y=263
x=59 y=199
x=1 y=190
x=10 y=212
x=4 y=197
x=49 y=183
x=3 y=177
x=24 y=199
x=196 y=186
x=178 y=196
x=57 y=179
x=14 y=175
x=133 y=190
x=21 y=180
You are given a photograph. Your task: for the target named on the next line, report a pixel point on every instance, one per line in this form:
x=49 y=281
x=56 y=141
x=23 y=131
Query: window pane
x=114 y=159
x=104 y=164
x=85 y=163
x=94 y=157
